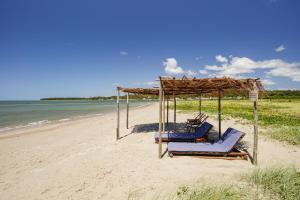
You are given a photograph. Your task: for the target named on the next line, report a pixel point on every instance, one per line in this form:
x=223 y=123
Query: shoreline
x=19 y=129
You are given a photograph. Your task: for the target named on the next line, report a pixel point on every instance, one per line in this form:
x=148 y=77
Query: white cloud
x=290 y=70
x=123 y=53
x=221 y=59
x=280 y=48
x=268 y=82
x=201 y=71
x=243 y=65
x=190 y=73
x=171 y=67
x=150 y=83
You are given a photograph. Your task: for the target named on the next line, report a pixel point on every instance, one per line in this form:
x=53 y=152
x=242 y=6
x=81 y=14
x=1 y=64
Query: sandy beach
x=81 y=159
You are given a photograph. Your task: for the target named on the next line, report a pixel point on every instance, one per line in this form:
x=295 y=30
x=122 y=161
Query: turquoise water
x=18 y=114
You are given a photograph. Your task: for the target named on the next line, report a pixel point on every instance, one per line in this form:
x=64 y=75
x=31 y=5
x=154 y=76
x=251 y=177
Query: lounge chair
x=223 y=147
x=196 y=123
x=198 y=117
x=185 y=137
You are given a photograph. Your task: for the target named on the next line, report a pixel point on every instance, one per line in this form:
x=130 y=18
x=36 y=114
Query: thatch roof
x=198 y=85
x=140 y=91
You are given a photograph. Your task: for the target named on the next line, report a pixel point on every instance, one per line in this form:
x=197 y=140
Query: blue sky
x=84 y=48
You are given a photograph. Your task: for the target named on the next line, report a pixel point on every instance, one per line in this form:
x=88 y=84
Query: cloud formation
x=171 y=67
x=268 y=82
x=235 y=66
x=202 y=71
x=280 y=48
x=221 y=59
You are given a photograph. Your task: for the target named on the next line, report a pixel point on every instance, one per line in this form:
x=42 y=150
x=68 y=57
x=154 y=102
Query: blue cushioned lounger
x=224 y=145
x=185 y=137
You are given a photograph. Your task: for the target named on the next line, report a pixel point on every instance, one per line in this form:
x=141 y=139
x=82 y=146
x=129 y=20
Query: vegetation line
x=281 y=118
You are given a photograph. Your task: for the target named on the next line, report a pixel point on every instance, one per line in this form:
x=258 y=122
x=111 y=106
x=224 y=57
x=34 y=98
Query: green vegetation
x=281 y=182
x=267 y=94
x=136 y=97
x=271 y=94
x=280 y=117
x=208 y=193
x=270 y=183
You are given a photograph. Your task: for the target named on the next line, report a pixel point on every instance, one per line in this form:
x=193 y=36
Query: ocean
x=20 y=114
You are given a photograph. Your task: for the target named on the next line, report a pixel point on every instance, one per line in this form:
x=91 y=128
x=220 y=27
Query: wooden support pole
x=174 y=97
x=118 y=114
x=127 y=110
x=255 y=123
x=160 y=122
x=219 y=113
x=167 y=110
x=200 y=104
x=164 y=112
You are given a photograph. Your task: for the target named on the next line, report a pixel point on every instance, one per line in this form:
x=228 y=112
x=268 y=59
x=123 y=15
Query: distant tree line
x=267 y=94
x=137 y=97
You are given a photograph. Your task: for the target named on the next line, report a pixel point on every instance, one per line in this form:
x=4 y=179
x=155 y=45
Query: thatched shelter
x=170 y=86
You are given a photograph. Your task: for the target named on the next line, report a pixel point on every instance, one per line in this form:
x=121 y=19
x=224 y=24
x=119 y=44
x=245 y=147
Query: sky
x=86 y=48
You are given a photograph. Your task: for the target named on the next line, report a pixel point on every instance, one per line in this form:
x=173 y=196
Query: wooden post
x=255 y=144
x=164 y=112
x=200 y=104
x=219 y=113
x=167 y=110
x=174 y=97
x=118 y=114
x=160 y=120
x=127 y=110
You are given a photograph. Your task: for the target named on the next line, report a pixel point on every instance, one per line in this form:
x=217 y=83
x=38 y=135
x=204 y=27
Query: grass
x=280 y=182
x=289 y=134
x=269 y=183
x=280 y=116
x=208 y=193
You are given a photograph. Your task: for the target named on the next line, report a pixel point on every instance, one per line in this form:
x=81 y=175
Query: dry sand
x=81 y=159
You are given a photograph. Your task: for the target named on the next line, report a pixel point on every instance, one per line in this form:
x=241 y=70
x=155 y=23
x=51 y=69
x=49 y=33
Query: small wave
x=63 y=120
x=5 y=129
x=31 y=124
x=38 y=123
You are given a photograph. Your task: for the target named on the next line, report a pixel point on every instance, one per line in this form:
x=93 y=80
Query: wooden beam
x=127 y=110
x=167 y=110
x=219 y=113
x=118 y=115
x=200 y=104
x=160 y=122
x=255 y=123
x=164 y=112
x=174 y=98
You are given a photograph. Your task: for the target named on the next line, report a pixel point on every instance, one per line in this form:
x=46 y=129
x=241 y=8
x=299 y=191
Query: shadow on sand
x=153 y=127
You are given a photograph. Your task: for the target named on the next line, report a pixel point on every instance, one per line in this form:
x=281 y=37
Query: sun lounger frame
x=232 y=154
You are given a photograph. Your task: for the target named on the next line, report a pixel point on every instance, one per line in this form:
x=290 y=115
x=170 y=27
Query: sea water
x=20 y=114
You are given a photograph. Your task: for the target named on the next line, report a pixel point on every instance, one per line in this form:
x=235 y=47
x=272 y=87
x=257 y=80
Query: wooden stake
x=164 y=112
x=219 y=113
x=255 y=144
x=174 y=97
x=127 y=110
x=160 y=121
x=200 y=104
x=118 y=114
x=167 y=110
